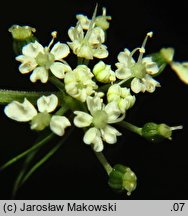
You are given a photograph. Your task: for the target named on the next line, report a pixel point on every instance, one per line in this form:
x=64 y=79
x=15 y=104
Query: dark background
x=74 y=172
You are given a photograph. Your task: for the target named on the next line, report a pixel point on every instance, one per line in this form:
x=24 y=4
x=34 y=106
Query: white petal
x=94 y=103
x=21 y=112
x=82 y=119
x=76 y=33
x=123 y=72
x=59 y=69
x=150 y=83
x=58 y=124
x=137 y=86
x=40 y=73
x=27 y=67
x=109 y=134
x=98 y=144
x=101 y=52
x=28 y=64
x=93 y=136
x=47 y=103
x=60 y=50
x=123 y=57
x=97 y=36
x=112 y=111
x=83 y=20
x=32 y=49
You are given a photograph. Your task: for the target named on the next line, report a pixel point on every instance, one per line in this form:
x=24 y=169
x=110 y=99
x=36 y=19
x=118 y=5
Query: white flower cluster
x=104 y=91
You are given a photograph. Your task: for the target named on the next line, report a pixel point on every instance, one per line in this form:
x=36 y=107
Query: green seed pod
x=157 y=132
x=122 y=178
x=22 y=35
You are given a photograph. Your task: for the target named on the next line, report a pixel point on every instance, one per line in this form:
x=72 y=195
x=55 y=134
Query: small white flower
x=99 y=120
x=103 y=73
x=121 y=96
x=26 y=112
x=41 y=60
x=87 y=45
x=140 y=72
x=79 y=84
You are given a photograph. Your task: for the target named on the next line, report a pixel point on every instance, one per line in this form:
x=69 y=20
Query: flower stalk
x=102 y=159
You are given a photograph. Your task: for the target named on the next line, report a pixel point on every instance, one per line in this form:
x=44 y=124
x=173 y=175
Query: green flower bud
x=122 y=178
x=157 y=132
x=22 y=35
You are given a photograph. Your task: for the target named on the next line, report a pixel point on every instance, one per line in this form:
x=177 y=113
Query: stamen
x=103 y=11
x=149 y=34
x=54 y=35
x=177 y=127
x=91 y=25
x=133 y=52
x=125 y=80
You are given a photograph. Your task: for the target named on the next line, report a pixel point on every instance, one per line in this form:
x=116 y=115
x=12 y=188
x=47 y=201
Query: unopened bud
x=103 y=73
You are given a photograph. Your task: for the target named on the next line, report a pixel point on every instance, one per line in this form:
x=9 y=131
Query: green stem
x=131 y=127
x=104 y=88
x=57 y=83
x=22 y=172
x=7 y=96
x=23 y=154
x=104 y=162
x=86 y=62
x=39 y=163
x=79 y=61
x=42 y=161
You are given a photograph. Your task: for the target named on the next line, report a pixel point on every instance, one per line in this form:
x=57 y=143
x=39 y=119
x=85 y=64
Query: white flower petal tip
x=110 y=134
x=47 y=103
x=58 y=124
x=93 y=136
x=82 y=119
x=40 y=73
x=60 y=51
x=59 y=69
x=21 y=112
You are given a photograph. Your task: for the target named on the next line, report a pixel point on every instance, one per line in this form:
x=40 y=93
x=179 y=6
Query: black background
x=74 y=172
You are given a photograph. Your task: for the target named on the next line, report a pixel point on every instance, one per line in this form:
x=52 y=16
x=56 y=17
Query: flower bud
x=157 y=132
x=122 y=178
x=22 y=35
x=103 y=72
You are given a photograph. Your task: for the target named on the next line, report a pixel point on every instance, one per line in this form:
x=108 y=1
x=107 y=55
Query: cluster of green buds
x=93 y=98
